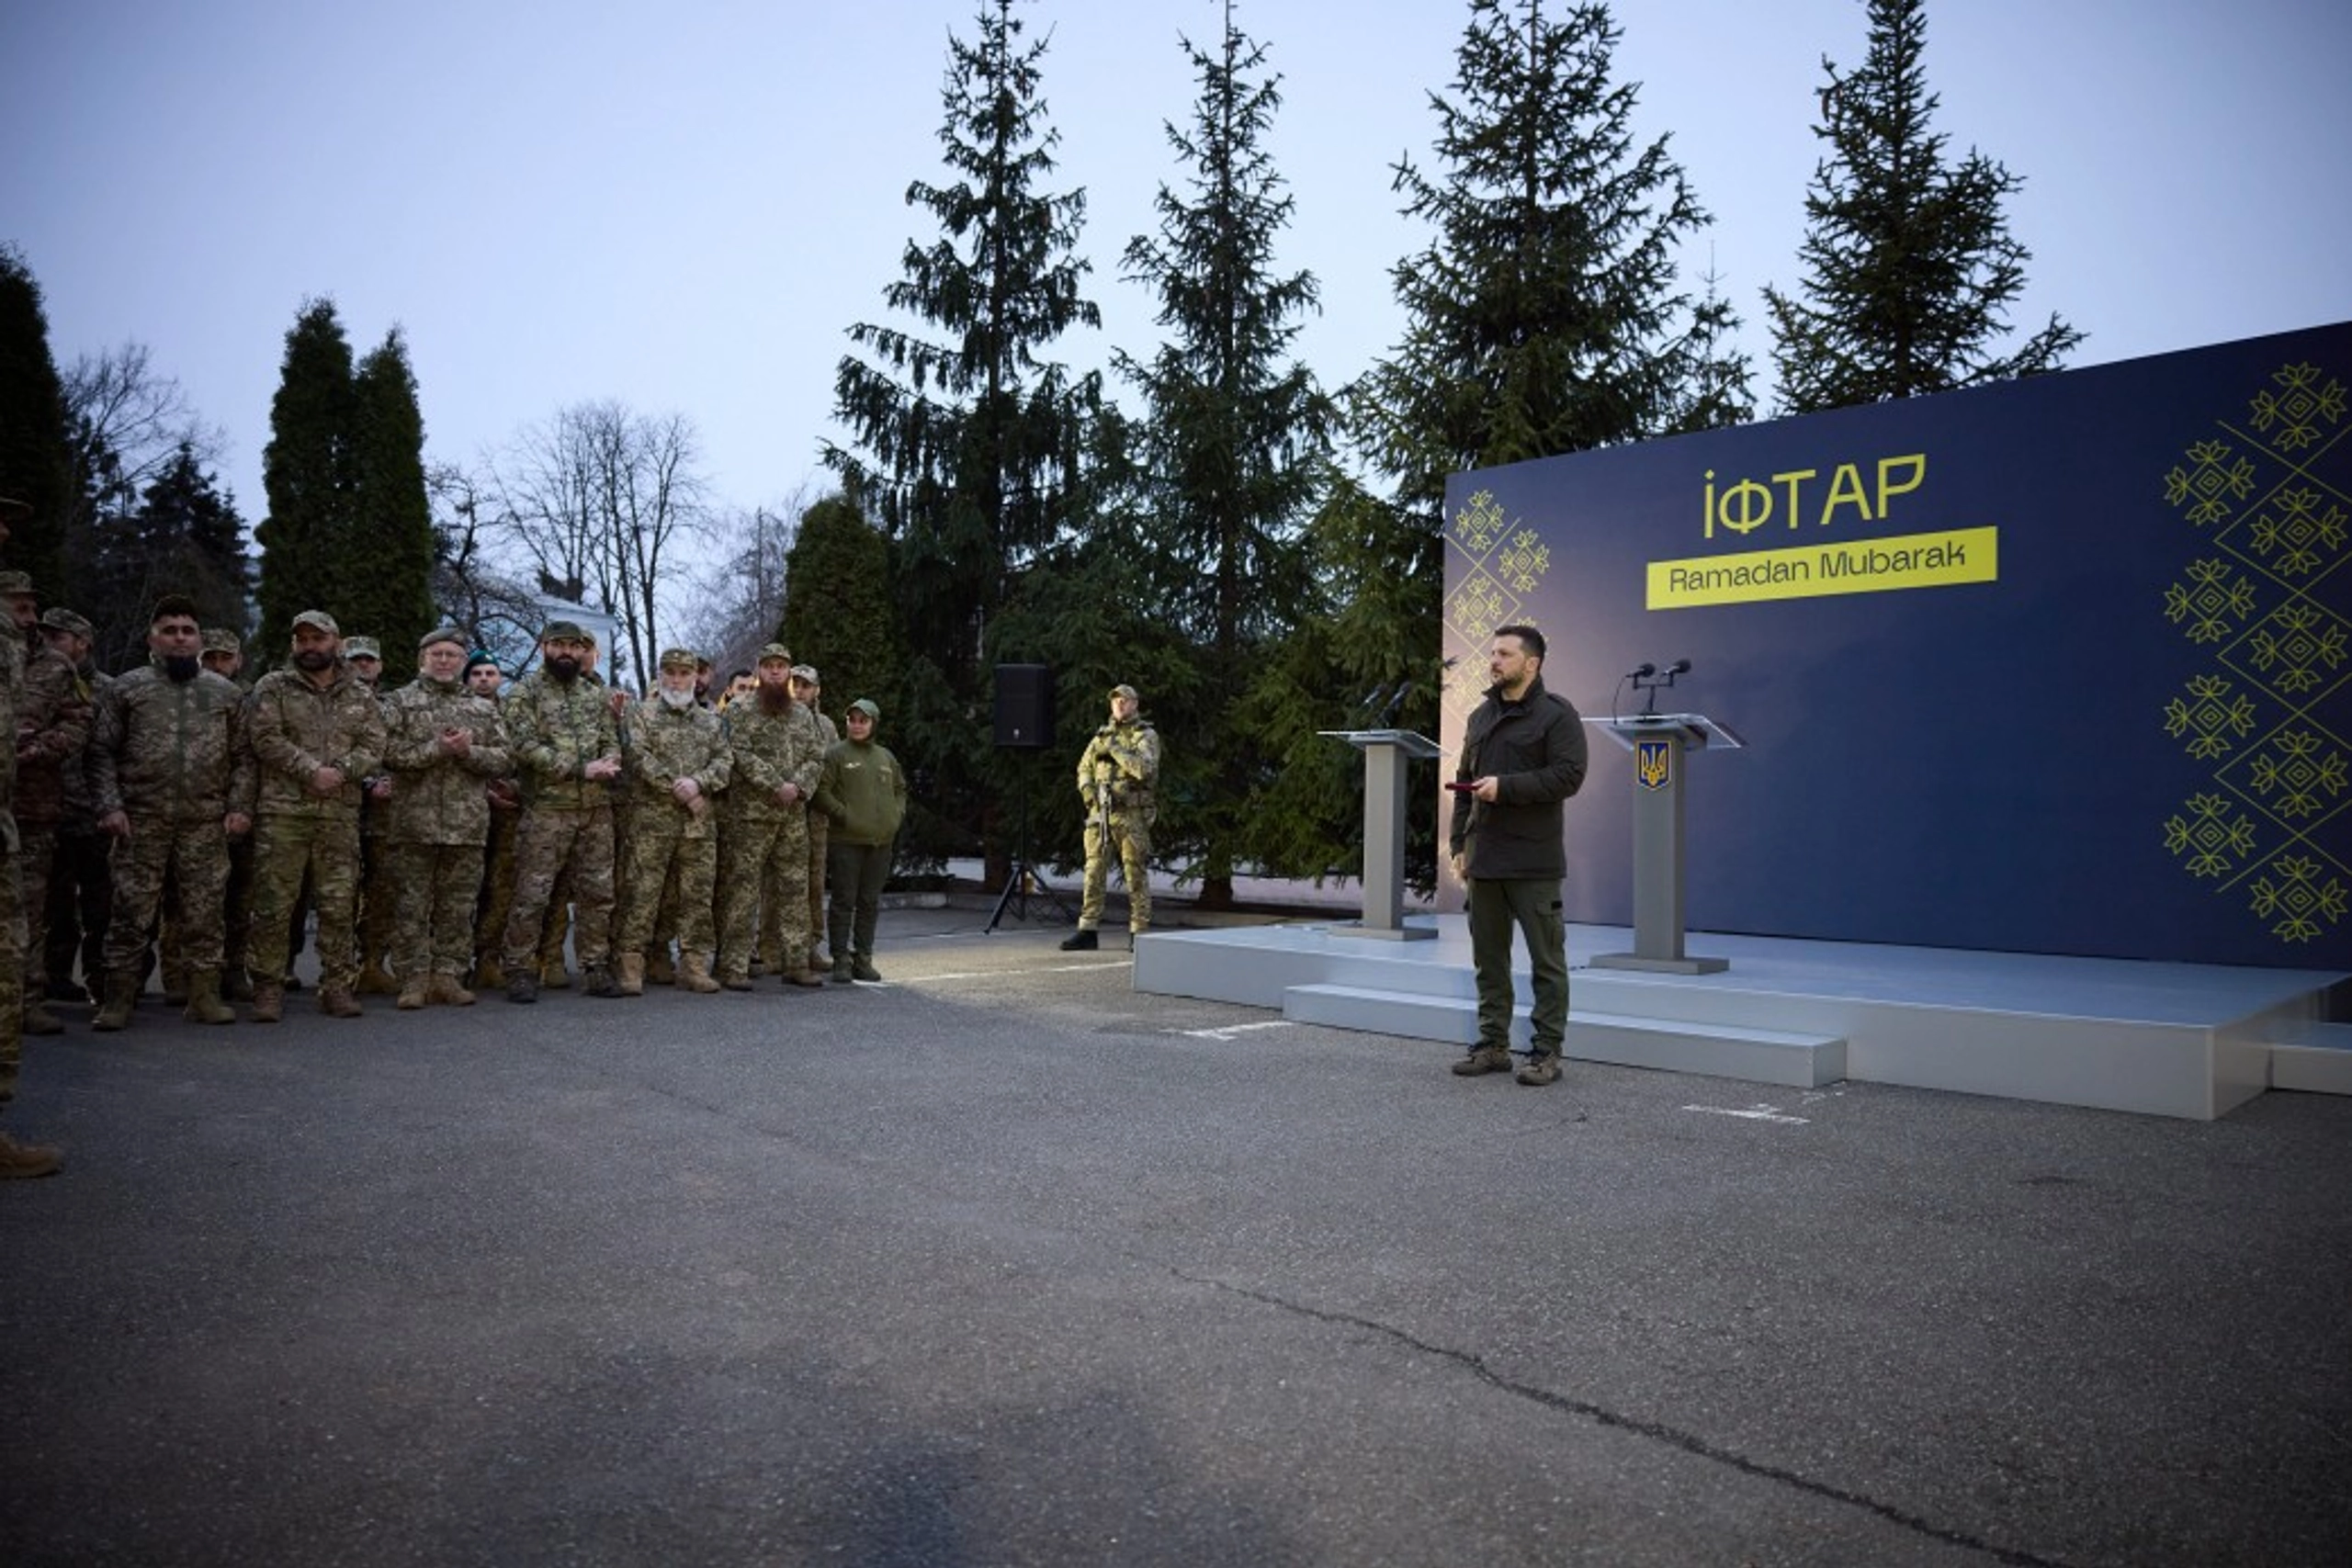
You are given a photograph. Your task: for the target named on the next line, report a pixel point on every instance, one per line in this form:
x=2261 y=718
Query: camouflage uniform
x=52 y=729
x=170 y=755
x=764 y=845
x=554 y=730
x=1117 y=775
x=666 y=838
x=296 y=727
x=81 y=884
x=438 y=820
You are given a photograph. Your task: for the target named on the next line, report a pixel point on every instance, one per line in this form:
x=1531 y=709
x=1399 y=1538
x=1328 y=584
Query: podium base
x=1387 y=933
x=1661 y=965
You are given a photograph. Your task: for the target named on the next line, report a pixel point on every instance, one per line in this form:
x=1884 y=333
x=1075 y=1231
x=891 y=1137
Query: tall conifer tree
x=36 y=453
x=969 y=443
x=307 y=478
x=1909 y=265
x=1235 y=435
x=386 y=570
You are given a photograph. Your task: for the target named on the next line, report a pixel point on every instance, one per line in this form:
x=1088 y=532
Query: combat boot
x=734 y=980
x=269 y=1003
x=38 y=1019
x=375 y=980
x=415 y=991
x=204 y=1003
x=631 y=982
x=660 y=968
x=336 y=1001
x=597 y=981
x=1484 y=1059
x=694 y=974
x=21 y=1161
x=1542 y=1068
x=1080 y=941
x=862 y=968
x=122 y=994
x=842 y=971
x=804 y=976
x=522 y=987
x=490 y=974
x=445 y=989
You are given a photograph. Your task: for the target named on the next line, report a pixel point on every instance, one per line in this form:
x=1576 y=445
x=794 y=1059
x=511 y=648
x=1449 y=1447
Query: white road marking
x=1017 y=973
x=1753 y=1113
x=1230 y=1029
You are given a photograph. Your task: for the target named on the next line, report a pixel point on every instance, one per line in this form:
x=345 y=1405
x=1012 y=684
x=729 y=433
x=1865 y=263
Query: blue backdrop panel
x=2059 y=666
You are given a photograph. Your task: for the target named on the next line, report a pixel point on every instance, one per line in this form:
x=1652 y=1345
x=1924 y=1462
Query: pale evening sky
x=681 y=206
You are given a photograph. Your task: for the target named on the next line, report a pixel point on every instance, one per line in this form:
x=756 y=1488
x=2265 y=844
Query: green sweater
x=864 y=790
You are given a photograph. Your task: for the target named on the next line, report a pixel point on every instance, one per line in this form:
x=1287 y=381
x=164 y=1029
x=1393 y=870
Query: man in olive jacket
x=444 y=743
x=863 y=791
x=1522 y=756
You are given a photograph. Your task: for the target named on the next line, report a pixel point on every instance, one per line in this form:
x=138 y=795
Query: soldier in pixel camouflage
x=765 y=849
x=679 y=765
x=568 y=752
x=1119 y=777
x=443 y=744
x=52 y=730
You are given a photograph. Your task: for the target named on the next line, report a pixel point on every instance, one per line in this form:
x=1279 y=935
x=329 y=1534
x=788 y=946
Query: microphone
x=1643 y=671
x=1679 y=667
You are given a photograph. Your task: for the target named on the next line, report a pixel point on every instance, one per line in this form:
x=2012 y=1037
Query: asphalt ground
x=1000 y=1262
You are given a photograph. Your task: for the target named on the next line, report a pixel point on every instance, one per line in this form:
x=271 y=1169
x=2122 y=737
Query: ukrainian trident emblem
x=1654 y=764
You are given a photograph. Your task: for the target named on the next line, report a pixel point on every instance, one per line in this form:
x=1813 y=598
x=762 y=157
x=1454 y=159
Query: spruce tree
x=1544 y=317
x=36 y=453
x=185 y=538
x=1909 y=266
x=969 y=445
x=307 y=479
x=383 y=573
x=1234 y=435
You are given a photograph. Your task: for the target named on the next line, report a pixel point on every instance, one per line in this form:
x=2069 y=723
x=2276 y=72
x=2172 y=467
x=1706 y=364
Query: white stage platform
x=2168 y=1039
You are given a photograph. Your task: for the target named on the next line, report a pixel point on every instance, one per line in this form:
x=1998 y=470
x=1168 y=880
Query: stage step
x=1719 y=1050
x=2313 y=1057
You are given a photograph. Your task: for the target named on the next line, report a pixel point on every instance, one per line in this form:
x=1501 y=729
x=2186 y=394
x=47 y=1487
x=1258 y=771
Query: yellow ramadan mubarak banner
x=1876 y=566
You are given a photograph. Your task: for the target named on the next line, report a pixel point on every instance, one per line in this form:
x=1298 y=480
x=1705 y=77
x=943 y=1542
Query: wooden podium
x=1661 y=743
x=1386 y=752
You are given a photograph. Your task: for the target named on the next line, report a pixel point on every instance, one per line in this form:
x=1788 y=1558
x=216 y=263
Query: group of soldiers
x=436 y=838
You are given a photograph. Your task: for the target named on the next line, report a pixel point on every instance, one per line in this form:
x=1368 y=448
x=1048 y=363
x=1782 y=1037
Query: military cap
x=1125 y=691
x=479 y=657
x=15 y=584
x=362 y=648
x=774 y=651
x=677 y=659
x=441 y=634
x=318 y=620
x=220 y=640
x=563 y=631
x=867 y=707
x=65 y=620
x=805 y=672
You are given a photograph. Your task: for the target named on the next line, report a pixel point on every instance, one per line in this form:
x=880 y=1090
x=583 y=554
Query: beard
x=675 y=701
x=182 y=667
x=313 y=660
x=564 y=668
x=775 y=699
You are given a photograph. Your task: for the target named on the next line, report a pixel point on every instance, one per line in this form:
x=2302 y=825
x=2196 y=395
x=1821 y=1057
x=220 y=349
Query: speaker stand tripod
x=1016 y=885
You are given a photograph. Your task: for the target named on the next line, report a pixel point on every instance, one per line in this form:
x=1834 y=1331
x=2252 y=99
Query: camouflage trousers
x=662 y=860
x=192 y=854
x=763 y=896
x=494 y=875
x=34 y=861
x=436 y=886
x=12 y=959
x=285 y=848
x=1127 y=836
x=549 y=844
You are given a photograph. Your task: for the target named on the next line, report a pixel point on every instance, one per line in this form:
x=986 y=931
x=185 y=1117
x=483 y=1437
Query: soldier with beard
x=171 y=772
x=764 y=890
x=678 y=769
x=567 y=750
x=315 y=733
